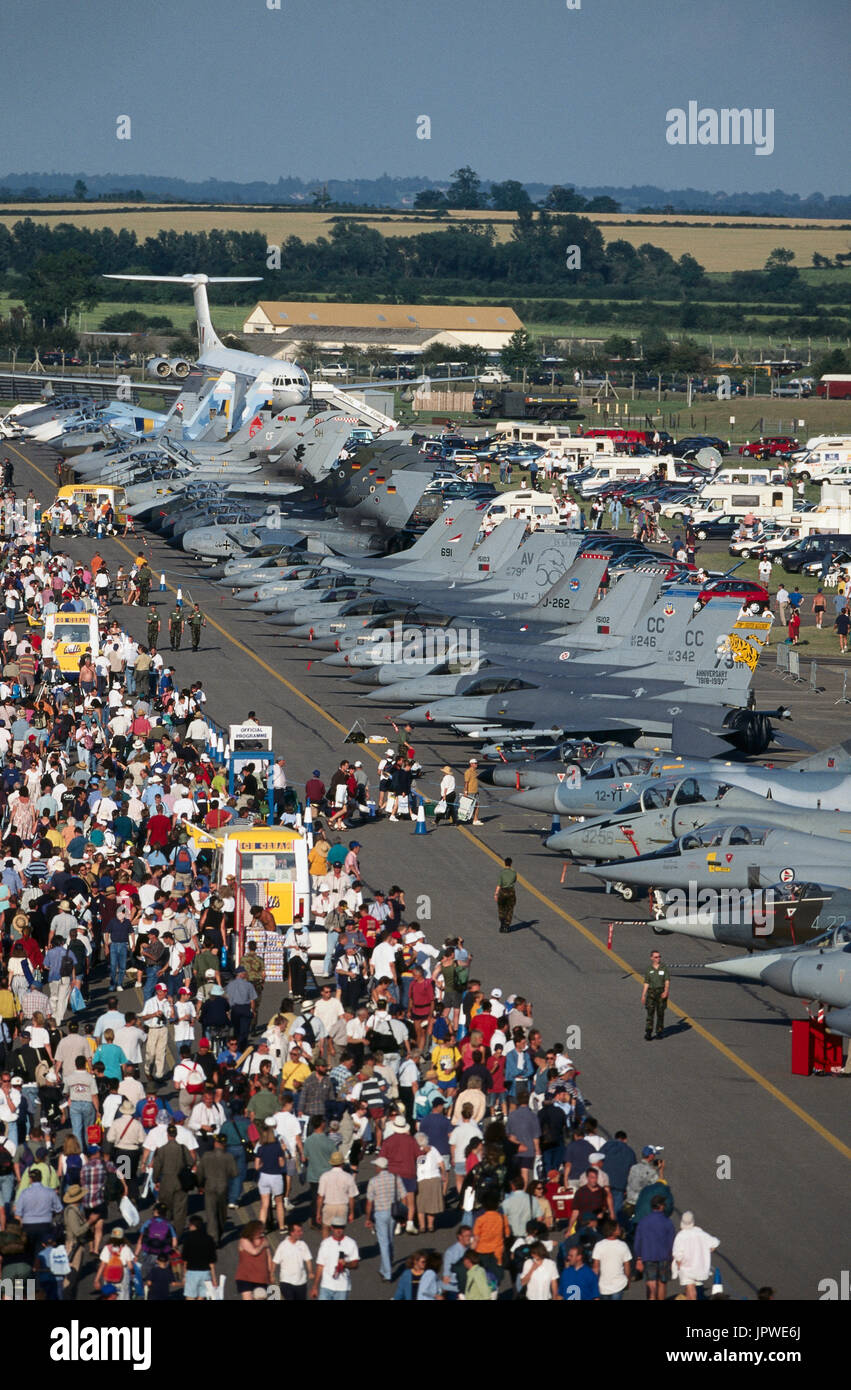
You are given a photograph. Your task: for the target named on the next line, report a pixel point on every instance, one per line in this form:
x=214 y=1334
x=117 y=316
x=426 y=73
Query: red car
x=744 y=589
x=769 y=446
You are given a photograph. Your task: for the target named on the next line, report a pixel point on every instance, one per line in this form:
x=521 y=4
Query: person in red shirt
x=496 y=1066
x=402 y=1151
x=159 y=826
x=421 y=1004
x=216 y=816
x=370 y=927
x=486 y=1024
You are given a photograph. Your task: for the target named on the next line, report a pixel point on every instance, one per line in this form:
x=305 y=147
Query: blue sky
x=529 y=90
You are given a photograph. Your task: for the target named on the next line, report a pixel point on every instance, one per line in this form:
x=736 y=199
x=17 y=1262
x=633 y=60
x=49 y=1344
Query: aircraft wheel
x=626 y=890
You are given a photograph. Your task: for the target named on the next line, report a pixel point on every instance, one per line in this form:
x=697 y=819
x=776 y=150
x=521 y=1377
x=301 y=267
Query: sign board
x=246 y=738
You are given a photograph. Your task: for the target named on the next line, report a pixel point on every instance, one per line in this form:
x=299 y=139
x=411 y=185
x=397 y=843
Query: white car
x=494 y=376
x=327 y=373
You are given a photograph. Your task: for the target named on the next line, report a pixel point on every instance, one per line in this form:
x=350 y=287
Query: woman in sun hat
x=448 y=796
x=78 y=1234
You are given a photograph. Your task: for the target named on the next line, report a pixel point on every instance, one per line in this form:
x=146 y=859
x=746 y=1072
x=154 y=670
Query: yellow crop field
x=738 y=244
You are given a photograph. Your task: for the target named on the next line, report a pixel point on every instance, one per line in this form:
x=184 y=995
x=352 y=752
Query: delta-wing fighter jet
x=819 y=972
x=748 y=855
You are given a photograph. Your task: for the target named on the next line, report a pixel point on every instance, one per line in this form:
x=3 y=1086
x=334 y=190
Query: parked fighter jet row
x=616 y=708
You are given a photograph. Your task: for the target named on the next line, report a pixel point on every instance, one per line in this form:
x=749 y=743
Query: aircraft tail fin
x=540 y=563
x=575 y=590
x=207 y=336
x=617 y=615
x=391 y=500
x=489 y=558
x=833 y=759
x=720 y=652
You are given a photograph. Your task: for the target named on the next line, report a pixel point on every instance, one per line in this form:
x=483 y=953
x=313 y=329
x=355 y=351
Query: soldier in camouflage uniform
x=144 y=579
x=654 y=996
x=255 y=970
x=196 y=622
x=175 y=628
x=153 y=626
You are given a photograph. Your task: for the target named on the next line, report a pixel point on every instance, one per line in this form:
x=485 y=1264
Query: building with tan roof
x=396 y=327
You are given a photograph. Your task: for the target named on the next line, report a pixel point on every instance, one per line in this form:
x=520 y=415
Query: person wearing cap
x=383 y=1190
x=402 y=1151
x=155 y=1018
x=649 y=1169
x=471 y=787
x=337 y=1256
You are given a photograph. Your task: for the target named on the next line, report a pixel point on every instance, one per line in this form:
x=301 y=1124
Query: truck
x=835 y=386
x=489 y=401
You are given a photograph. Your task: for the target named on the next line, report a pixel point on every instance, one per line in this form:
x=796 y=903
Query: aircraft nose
x=534 y=799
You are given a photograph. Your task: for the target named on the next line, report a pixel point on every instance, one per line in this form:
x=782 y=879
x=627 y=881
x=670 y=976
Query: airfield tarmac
x=760 y=1156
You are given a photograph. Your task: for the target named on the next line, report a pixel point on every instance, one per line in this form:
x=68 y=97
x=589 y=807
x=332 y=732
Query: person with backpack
x=183 y=864
x=116 y=1262
x=157 y=1237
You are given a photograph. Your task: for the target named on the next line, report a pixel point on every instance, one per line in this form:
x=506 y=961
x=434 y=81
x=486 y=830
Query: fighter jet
x=817 y=782
x=819 y=972
x=759 y=919
x=684 y=698
x=748 y=855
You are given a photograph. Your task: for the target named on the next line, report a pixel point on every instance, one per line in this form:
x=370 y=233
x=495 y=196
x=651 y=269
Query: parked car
x=768 y=446
x=723 y=529
x=728 y=587
x=693 y=443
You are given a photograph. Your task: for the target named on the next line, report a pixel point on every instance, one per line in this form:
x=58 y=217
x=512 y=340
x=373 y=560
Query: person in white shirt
x=539 y=1275
x=328 y=1008
x=294 y=1264
x=131 y=1040
x=338 y=1255
x=691 y=1257
x=184 y=1016
x=110 y=1108
x=156 y=1137
x=207 y=1118
x=156 y=1016
x=132 y=1090
x=189 y=1078
x=384 y=960
x=459 y=1138
x=610 y=1261
x=287 y=1128
x=447 y=794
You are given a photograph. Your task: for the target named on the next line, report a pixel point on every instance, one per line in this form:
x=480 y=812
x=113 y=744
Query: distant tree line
x=396 y=193
x=555 y=259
